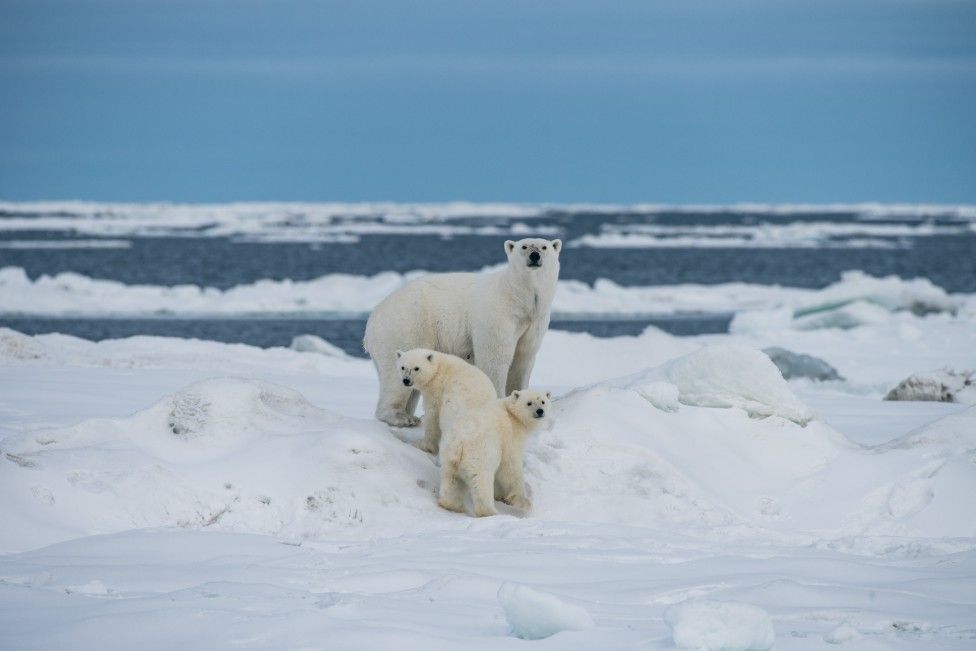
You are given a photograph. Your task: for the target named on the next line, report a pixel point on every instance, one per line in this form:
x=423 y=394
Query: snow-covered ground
x=160 y=493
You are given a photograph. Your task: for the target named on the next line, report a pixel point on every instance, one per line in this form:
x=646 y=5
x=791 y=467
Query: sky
x=624 y=102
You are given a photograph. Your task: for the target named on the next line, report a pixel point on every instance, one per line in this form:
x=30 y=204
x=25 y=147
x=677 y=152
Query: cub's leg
x=432 y=428
x=511 y=485
x=452 y=490
x=482 y=486
x=394 y=404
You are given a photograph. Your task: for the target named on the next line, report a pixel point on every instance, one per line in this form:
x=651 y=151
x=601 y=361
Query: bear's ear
x=399 y=354
x=514 y=396
x=556 y=245
x=509 y=246
x=430 y=358
x=548 y=394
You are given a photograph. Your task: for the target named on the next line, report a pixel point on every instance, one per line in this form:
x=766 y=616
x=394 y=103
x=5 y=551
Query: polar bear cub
x=495 y=319
x=483 y=449
x=450 y=387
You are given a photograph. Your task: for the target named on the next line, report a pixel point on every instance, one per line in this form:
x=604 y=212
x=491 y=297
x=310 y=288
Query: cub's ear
x=399 y=354
x=548 y=394
x=514 y=396
x=509 y=246
x=556 y=245
x=430 y=358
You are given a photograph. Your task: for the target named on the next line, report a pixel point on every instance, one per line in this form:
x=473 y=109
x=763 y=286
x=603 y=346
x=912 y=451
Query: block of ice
x=533 y=615
x=944 y=385
x=720 y=626
x=794 y=365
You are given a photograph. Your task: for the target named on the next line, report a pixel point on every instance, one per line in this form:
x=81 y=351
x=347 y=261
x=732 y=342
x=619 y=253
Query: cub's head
x=530 y=405
x=533 y=253
x=416 y=366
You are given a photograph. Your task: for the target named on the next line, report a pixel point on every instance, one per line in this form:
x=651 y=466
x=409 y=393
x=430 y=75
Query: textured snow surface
x=720 y=626
x=164 y=493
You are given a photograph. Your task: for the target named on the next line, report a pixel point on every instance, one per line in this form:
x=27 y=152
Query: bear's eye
x=530 y=404
x=416 y=368
x=524 y=247
x=543 y=248
x=543 y=402
x=403 y=368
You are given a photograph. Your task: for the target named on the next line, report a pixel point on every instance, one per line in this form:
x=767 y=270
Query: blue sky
x=684 y=101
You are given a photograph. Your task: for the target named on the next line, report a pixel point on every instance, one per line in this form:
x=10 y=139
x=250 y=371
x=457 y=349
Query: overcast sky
x=685 y=102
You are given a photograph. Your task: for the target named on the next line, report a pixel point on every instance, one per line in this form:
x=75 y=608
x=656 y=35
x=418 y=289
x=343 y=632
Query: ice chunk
x=316 y=344
x=847 y=316
x=534 y=615
x=794 y=365
x=729 y=375
x=945 y=385
x=841 y=634
x=720 y=626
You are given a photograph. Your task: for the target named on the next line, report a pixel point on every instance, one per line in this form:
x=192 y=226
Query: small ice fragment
x=534 y=615
x=720 y=626
x=841 y=634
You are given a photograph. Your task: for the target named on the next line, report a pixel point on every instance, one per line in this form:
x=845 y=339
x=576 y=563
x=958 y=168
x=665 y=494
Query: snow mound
x=533 y=615
x=731 y=375
x=663 y=395
x=720 y=626
x=945 y=385
x=796 y=365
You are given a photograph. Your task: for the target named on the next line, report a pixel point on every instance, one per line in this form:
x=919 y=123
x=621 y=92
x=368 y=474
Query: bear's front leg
x=494 y=349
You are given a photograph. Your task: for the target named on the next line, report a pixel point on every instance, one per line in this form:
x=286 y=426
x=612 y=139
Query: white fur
x=483 y=448
x=450 y=386
x=496 y=320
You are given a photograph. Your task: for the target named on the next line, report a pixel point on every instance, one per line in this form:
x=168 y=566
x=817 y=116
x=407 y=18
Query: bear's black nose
x=539 y=413
x=406 y=382
x=534 y=256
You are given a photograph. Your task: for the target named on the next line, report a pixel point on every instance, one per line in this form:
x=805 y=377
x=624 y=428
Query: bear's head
x=416 y=366
x=530 y=406
x=533 y=253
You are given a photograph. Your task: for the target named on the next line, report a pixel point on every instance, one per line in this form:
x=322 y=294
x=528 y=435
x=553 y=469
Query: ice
x=730 y=376
x=800 y=365
x=663 y=395
x=720 y=626
x=856 y=299
x=945 y=385
x=533 y=615
x=316 y=344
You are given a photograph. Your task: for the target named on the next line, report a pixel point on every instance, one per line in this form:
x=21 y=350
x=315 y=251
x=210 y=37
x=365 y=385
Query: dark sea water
x=942 y=248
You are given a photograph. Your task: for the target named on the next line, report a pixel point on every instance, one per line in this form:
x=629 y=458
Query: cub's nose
x=539 y=413
x=406 y=382
x=534 y=256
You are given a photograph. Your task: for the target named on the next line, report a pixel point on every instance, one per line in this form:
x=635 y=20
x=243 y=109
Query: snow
x=720 y=626
x=162 y=492
x=534 y=615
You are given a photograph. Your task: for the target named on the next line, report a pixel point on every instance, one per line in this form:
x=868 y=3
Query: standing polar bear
x=496 y=320
x=483 y=449
x=451 y=388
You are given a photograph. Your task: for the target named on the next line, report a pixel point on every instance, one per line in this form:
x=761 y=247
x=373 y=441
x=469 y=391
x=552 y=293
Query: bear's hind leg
x=452 y=490
x=482 y=485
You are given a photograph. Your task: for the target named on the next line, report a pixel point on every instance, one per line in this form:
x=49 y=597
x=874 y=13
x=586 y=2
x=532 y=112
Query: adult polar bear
x=496 y=320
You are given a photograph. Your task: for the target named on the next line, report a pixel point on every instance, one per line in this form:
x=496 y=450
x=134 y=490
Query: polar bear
x=496 y=320
x=450 y=386
x=483 y=449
